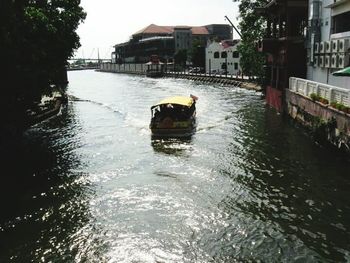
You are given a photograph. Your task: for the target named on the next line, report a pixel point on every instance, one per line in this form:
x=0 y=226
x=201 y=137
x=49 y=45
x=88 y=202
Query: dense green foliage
x=181 y=57
x=197 y=54
x=36 y=39
x=252 y=26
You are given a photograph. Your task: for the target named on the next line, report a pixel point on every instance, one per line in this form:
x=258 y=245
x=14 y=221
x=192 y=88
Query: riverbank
x=248 y=186
x=224 y=79
x=21 y=119
x=322 y=109
x=327 y=124
x=83 y=68
x=219 y=79
x=48 y=108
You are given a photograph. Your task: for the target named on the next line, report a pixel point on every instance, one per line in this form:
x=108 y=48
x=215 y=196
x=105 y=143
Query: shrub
x=340 y=106
x=314 y=96
x=323 y=100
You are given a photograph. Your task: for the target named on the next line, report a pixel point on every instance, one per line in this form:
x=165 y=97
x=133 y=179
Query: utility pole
x=239 y=33
x=83 y=56
x=98 y=56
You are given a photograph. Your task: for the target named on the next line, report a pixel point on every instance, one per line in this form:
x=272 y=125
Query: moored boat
x=155 y=68
x=174 y=117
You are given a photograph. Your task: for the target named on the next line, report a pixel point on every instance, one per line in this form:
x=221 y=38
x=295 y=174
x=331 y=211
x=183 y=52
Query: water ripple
x=93 y=186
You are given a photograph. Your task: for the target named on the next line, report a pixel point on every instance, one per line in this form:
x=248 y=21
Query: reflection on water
x=46 y=197
x=92 y=185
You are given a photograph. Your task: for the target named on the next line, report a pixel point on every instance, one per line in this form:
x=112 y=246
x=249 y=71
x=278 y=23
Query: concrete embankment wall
x=325 y=122
x=134 y=68
x=219 y=79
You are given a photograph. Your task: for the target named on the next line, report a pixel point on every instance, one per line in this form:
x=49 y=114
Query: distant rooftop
x=155 y=29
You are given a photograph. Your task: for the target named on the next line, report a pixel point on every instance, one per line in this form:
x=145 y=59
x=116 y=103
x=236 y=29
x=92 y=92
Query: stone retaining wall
x=327 y=123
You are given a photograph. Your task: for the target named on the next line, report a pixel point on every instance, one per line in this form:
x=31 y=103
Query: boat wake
x=217 y=124
x=74 y=98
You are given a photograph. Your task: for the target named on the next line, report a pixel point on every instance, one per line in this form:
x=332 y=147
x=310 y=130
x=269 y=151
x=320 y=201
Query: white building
x=223 y=56
x=329 y=41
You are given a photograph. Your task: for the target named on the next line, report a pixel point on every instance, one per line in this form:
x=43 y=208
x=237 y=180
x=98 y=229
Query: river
x=92 y=186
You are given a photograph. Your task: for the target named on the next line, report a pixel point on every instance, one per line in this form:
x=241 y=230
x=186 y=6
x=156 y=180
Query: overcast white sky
x=110 y=22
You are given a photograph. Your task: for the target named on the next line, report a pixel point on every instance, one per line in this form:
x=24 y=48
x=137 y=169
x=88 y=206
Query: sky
x=110 y=22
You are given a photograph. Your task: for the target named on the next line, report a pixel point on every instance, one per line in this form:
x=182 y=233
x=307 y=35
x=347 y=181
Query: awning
x=345 y=72
x=177 y=100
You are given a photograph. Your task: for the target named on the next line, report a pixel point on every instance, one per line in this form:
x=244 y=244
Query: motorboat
x=174 y=117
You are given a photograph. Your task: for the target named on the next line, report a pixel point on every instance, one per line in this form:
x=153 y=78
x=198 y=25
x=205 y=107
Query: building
x=328 y=43
x=284 y=46
x=165 y=41
x=223 y=57
x=308 y=39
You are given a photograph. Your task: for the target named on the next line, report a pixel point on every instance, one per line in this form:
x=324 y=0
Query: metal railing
x=331 y=93
x=124 y=68
x=141 y=68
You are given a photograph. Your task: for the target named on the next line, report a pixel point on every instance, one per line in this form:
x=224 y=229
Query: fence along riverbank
x=140 y=69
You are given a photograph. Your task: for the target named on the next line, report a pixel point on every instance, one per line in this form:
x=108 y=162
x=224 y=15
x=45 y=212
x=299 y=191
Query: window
x=235 y=54
x=341 y=23
x=216 y=54
x=224 y=54
x=236 y=66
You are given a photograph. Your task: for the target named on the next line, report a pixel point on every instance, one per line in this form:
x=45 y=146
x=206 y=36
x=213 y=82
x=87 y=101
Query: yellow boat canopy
x=179 y=100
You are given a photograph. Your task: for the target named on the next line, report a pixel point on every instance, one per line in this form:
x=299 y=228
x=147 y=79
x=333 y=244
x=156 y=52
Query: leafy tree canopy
x=197 y=54
x=36 y=38
x=252 y=26
x=181 y=57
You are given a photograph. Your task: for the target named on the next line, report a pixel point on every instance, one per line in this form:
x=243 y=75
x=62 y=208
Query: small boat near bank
x=155 y=68
x=174 y=117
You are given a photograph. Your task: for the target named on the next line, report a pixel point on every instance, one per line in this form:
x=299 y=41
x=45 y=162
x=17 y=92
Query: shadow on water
x=172 y=146
x=44 y=198
x=285 y=180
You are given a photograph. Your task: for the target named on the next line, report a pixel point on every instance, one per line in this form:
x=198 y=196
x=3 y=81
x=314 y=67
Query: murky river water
x=91 y=185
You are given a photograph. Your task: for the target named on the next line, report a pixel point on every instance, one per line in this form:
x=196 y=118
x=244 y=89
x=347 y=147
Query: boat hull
x=174 y=133
x=177 y=129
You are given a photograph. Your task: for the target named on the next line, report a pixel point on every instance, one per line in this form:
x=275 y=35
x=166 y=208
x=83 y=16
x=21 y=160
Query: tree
x=197 y=54
x=181 y=57
x=252 y=26
x=37 y=37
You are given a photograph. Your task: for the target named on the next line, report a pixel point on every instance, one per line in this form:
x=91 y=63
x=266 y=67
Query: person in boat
x=157 y=114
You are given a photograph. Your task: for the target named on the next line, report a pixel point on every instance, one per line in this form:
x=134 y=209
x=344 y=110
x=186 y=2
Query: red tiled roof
x=154 y=29
x=200 y=30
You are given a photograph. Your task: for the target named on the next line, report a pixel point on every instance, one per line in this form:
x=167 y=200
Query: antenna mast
x=233 y=26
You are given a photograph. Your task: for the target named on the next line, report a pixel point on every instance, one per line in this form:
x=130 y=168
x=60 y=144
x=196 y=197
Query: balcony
x=269 y=45
x=331 y=93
